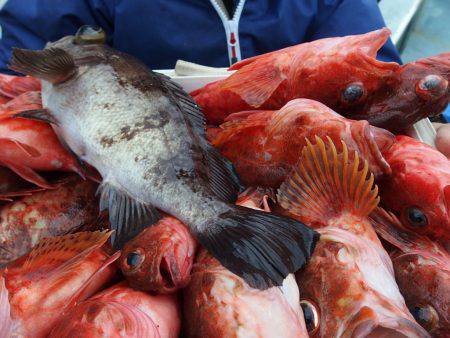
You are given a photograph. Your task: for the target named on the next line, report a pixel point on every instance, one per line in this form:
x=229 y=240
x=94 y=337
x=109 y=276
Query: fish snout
x=367 y=323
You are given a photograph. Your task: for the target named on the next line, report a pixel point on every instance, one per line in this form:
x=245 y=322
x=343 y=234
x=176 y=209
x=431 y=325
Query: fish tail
x=327 y=182
x=260 y=247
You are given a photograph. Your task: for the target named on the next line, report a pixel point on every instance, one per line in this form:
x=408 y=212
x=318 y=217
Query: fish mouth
x=374 y=327
x=173 y=275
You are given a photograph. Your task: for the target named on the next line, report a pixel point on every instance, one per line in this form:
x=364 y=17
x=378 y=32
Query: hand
x=443 y=138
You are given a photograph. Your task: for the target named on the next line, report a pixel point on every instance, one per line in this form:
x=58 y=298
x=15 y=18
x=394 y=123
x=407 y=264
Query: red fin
x=6 y=323
x=326 y=182
x=238 y=125
x=89 y=287
x=256 y=82
x=27 y=149
x=23 y=102
x=28 y=174
x=58 y=251
x=12 y=86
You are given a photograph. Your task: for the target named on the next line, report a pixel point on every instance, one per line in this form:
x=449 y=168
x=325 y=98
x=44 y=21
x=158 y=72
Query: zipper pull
x=232 y=44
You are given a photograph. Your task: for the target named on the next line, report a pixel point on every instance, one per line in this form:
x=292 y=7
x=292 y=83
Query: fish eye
x=416 y=217
x=133 y=260
x=353 y=92
x=311 y=314
x=426 y=316
x=87 y=35
x=431 y=87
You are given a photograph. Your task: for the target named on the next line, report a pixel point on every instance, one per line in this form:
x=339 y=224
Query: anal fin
x=127 y=215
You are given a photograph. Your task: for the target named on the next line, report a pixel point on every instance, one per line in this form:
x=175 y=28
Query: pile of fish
x=283 y=201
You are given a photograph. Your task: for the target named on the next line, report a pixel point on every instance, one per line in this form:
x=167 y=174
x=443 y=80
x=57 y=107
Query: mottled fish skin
x=50 y=213
x=144 y=147
x=146 y=137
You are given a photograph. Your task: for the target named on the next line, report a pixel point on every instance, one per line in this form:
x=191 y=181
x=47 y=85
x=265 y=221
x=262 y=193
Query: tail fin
x=260 y=247
x=325 y=183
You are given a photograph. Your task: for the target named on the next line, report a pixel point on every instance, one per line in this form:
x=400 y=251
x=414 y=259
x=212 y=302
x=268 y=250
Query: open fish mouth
x=366 y=324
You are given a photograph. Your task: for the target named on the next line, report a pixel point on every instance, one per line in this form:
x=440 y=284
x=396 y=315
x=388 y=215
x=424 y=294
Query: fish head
x=418 y=190
x=54 y=276
x=425 y=284
x=160 y=258
x=418 y=90
x=86 y=35
x=422 y=271
x=348 y=289
x=351 y=63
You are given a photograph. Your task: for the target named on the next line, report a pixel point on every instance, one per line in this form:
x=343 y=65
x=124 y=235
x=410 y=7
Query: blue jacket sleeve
x=347 y=17
x=32 y=23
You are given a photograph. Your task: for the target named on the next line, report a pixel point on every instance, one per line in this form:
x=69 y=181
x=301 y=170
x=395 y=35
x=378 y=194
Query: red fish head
x=417 y=90
x=348 y=290
x=351 y=64
x=422 y=272
x=418 y=191
x=160 y=258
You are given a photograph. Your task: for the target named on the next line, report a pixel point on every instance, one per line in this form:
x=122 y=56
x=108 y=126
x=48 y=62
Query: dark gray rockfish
x=146 y=137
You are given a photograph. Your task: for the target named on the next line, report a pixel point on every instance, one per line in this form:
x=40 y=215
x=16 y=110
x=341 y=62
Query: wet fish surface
x=146 y=137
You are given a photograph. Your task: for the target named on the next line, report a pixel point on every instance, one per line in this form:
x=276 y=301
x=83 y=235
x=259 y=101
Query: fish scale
x=146 y=138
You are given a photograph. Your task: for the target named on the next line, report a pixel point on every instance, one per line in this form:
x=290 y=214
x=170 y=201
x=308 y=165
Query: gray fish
x=146 y=137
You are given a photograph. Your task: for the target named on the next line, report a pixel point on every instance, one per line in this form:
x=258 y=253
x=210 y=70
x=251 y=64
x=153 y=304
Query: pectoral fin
x=54 y=65
x=127 y=215
x=42 y=115
x=28 y=174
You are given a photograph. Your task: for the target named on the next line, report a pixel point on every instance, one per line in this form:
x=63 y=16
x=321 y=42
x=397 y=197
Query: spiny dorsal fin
x=325 y=182
x=186 y=104
x=51 y=253
x=54 y=64
x=223 y=179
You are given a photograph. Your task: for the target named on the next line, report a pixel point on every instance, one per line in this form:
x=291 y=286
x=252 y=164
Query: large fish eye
x=88 y=35
x=134 y=260
x=353 y=92
x=431 y=87
x=311 y=314
x=426 y=316
x=416 y=217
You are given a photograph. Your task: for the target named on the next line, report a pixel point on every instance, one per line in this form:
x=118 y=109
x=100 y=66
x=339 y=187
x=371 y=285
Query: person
x=208 y=32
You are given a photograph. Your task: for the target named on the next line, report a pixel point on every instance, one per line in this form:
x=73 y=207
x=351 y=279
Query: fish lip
x=396 y=327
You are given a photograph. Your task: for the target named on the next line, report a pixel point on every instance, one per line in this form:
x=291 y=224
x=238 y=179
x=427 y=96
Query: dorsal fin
x=51 y=253
x=223 y=179
x=325 y=183
x=186 y=104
